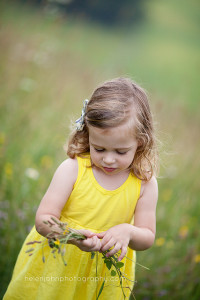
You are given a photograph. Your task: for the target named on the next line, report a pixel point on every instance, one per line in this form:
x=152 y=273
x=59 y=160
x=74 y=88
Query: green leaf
x=113 y=273
x=119 y=264
x=108 y=263
x=92 y=254
x=101 y=289
x=115 y=258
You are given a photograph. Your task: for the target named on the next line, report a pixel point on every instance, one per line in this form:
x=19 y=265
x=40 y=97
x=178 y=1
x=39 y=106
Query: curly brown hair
x=113 y=103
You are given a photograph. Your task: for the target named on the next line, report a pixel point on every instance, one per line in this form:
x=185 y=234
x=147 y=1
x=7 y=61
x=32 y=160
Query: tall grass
x=48 y=66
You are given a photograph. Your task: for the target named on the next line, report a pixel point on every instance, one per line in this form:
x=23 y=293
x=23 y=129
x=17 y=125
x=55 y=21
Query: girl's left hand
x=118 y=237
x=91 y=243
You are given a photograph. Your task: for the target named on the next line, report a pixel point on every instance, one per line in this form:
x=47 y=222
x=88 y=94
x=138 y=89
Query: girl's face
x=112 y=150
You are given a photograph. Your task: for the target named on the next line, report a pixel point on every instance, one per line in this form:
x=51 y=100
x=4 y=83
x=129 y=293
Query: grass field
x=47 y=67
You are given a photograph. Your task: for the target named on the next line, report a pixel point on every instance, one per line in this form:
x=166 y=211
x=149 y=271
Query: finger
x=80 y=244
x=92 y=244
x=85 y=245
x=97 y=246
x=107 y=237
x=114 y=250
x=101 y=234
x=87 y=233
x=107 y=245
x=123 y=253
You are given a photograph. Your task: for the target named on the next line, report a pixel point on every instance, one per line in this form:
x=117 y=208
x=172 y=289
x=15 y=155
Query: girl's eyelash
x=98 y=150
x=121 y=153
x=101 y=150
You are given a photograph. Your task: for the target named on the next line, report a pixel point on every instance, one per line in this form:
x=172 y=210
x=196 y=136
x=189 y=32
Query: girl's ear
x=139 y=142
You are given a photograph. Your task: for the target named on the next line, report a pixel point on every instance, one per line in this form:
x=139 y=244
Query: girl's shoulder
x=150 y=186
x=68 y=169
x=69 y=163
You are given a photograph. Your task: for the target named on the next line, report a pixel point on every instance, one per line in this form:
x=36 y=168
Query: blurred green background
x=49 y=63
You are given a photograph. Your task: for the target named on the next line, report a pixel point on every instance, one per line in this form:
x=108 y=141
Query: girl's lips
x=109 y=169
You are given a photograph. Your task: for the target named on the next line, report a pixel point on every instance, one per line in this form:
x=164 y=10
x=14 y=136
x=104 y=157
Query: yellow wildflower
x=160 y=241
x=2 y=138
x=166 y=195
x=197 y=258
x=8 y=169
x=46 y=162
x=65 y=231
x=183 y=231
x=57 y=242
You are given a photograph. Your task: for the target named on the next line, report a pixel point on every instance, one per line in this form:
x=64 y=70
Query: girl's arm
x=56 y=196
x=54 y=200
x=140 y=236
x=143 y=233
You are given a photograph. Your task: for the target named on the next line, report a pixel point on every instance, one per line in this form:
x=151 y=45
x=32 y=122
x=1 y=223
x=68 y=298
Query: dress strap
x=83 y=162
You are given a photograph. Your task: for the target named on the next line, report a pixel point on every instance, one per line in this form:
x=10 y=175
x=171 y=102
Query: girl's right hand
x=91 y=243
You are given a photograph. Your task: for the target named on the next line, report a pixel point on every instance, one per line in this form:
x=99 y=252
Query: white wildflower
x=32 y=173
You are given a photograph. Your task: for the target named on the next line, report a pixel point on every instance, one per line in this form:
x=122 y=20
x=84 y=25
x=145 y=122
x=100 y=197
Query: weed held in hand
x=57 y=240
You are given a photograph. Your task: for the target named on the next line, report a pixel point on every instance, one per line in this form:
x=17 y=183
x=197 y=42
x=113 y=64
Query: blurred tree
x=107 y=12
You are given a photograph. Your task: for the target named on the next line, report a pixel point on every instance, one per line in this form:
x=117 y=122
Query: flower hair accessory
x=80 y=122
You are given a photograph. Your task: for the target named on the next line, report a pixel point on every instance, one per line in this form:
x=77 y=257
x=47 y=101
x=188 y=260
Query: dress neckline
x=106 y=191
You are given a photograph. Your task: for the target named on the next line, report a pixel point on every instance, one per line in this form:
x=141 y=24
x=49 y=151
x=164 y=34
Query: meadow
x=48 y=66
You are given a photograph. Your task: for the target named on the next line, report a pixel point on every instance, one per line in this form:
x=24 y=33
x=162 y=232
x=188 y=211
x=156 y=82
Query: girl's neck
x=110 y=182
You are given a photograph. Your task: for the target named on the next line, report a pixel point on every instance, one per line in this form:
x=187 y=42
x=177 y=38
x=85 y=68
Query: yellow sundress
x=91 y=207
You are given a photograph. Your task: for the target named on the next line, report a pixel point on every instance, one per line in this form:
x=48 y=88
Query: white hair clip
x=80 y=122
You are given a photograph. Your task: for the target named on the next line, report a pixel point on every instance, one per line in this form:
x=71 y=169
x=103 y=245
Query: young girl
x=107 y=190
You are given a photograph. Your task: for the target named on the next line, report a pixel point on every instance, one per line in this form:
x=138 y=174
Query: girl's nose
x=108 y=159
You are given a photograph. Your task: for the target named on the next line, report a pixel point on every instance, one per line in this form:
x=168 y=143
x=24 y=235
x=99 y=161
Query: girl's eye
x=98 y=150
x=121 y=153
